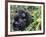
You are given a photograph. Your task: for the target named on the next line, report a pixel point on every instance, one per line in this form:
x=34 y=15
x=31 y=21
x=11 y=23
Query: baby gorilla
x=21 y=20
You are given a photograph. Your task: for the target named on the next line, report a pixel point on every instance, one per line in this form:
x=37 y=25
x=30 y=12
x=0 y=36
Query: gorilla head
x=21 y=20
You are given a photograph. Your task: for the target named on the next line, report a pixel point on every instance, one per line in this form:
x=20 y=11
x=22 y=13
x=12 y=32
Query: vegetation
x=35 y=11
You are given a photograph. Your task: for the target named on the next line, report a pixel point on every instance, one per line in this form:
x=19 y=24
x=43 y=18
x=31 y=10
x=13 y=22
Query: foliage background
x=35 y=11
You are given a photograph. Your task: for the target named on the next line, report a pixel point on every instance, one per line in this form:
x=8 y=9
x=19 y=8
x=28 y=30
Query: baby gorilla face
x=20 y=20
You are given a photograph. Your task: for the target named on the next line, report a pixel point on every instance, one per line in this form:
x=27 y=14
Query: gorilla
x=21 y=20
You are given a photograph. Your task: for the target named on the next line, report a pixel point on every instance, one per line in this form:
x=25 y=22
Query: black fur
x=21 y=20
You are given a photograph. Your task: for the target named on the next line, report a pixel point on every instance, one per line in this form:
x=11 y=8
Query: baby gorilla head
x=20 y=21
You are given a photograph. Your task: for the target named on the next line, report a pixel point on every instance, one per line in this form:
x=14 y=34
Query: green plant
x=35 y=11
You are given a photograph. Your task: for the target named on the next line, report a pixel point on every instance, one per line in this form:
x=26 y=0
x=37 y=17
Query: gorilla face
x=21 y=20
